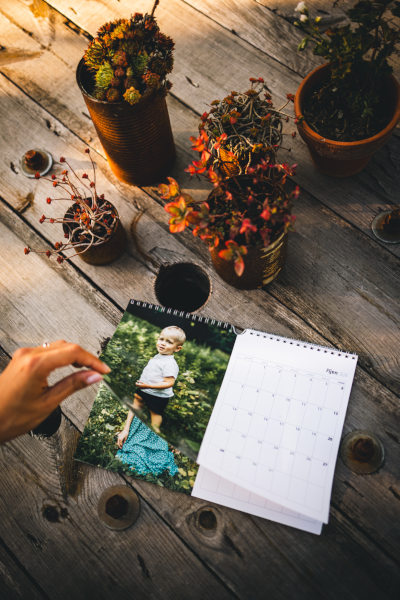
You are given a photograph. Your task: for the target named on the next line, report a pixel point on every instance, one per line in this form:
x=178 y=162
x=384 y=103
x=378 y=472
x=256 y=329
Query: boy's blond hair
x=176 y=333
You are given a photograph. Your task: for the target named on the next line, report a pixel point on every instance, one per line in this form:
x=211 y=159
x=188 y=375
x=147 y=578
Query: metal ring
x=45 y=344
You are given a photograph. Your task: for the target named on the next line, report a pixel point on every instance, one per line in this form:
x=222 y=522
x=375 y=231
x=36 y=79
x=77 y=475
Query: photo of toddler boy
x=155 y=384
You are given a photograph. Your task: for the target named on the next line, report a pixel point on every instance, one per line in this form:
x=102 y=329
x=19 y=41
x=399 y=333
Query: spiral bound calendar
x=251 y=420
x=276 y=425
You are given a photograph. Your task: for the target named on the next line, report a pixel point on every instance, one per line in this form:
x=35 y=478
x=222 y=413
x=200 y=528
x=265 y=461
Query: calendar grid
x=277 y=424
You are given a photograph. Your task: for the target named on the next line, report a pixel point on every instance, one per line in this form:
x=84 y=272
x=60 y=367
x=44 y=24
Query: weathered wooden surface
x=235 y=538
x=340 y=287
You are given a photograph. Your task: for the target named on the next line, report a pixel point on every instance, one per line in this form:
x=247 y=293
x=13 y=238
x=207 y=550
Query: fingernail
x=93 y=378
x=106 y=368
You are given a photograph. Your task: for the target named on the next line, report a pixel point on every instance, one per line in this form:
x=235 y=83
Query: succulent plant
x=130 y=58
x=243 y=128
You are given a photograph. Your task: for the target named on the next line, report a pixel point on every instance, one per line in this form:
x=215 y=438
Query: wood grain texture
x=286 y=8
x=239 y=543
x=76 y=406
x=357 y=199
x=15 y=582
x=49 y=528
x=261 y=28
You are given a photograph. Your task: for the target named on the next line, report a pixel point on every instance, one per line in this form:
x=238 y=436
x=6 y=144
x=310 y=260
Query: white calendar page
x=214 y=488
x=276 y=425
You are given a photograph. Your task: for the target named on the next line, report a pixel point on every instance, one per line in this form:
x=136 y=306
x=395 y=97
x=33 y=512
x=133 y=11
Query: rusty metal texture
x=137 y=139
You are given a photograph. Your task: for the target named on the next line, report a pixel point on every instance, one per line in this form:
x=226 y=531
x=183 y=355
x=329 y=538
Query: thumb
x=67 y=386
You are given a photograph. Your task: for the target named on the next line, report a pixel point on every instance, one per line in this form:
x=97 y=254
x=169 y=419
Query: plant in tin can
x=243 y=128
x=243 y=211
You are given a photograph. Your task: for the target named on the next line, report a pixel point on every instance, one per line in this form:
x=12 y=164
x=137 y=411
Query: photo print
x=151 y=412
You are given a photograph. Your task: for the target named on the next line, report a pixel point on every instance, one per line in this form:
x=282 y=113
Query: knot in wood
x=363 y=449
x=117 y=506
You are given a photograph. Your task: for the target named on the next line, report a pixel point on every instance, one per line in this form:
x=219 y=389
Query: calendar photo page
x=251 y=421
x=151 y=412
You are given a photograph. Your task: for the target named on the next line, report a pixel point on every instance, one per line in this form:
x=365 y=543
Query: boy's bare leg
x=156 y=421
x=137 y=402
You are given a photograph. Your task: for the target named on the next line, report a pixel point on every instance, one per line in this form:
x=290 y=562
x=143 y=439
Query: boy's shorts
x=157 y=404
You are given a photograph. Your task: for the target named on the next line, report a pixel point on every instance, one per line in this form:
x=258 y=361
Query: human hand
x=25 y=398
x=141 y=384
x=121 y=437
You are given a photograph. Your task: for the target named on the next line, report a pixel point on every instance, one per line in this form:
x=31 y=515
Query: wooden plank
x=238 y=544
x=286 y=8
x=262 y=28
x=325 y=276
x=360 y=402
x=51 y=45
x=15 y=583
x=33 y=463
x=332 y=14
x=55 y=533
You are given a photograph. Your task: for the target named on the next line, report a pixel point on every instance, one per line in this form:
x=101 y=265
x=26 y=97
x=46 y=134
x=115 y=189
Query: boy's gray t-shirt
x=158 y=367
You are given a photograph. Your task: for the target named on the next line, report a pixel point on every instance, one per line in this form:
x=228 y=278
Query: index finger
x=66 y=355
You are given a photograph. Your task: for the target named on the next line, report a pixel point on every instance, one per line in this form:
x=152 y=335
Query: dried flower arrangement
x=352 y=102
x=243 y=128
x=249 y=210
x=130 y=58
x=88 y=223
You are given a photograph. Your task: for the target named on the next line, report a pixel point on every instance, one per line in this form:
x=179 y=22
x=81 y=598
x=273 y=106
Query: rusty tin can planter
x=342 y=159
x=105 y=252
x=262 y=265
x=137 y=139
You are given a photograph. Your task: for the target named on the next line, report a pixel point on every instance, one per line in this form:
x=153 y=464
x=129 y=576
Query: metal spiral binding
x=324 y=349
x=180 y=313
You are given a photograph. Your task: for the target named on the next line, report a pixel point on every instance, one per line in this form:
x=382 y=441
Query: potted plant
x=122 y=77
x=347 y=108
x=244 y=221
x=91 y=225
x=243 y=128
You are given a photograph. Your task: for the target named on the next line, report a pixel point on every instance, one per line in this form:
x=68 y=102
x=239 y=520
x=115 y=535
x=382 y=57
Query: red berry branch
x=88 y=222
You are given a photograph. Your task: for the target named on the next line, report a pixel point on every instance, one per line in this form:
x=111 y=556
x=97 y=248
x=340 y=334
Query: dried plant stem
x=156 y=3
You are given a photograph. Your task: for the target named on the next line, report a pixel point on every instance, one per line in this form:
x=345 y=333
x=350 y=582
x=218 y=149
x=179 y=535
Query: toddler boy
x=158 y=377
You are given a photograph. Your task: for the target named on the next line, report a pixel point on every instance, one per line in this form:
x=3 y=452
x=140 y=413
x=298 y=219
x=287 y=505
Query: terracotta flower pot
x=104 y=252
x=137 y=139
x=262 y=265
x=341 y=159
